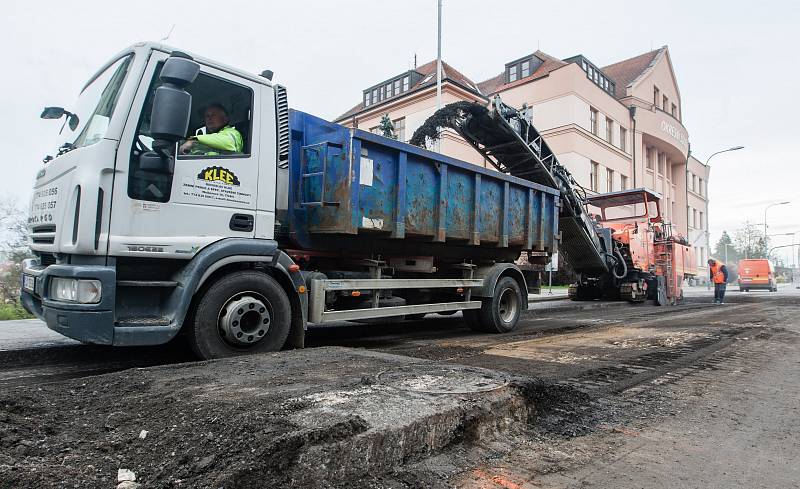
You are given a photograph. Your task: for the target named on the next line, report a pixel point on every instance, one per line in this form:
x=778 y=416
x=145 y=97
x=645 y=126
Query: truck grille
x=282 y=113
x=43 y=234
x=46 y=259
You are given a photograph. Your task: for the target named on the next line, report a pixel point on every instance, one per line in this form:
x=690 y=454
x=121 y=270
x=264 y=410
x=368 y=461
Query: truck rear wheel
x=244 y=312
x=500 y=313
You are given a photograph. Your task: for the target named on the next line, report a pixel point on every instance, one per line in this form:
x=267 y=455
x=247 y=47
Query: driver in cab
x=220 y=138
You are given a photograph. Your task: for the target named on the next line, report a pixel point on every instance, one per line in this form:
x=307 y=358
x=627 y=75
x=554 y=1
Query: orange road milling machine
x=619 y=244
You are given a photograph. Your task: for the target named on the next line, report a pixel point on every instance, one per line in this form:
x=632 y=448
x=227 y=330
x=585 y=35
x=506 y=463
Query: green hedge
x=13 y=311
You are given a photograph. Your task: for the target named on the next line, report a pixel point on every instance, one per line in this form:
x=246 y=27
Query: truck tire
x=242 y=313
x=500 y=313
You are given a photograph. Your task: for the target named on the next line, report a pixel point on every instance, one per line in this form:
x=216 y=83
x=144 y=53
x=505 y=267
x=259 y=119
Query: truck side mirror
x=172 y=104
x=52 y=113
x=169 y=119
x=58 y=113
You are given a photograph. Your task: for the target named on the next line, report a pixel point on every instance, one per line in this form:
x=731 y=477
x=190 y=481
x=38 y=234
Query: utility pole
x=439 y=58
x=765 y=217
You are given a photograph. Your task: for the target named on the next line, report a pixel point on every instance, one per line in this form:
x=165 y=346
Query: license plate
x=28 y=282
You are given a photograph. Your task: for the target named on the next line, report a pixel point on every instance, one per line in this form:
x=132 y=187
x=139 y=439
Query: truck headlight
x=75 y=290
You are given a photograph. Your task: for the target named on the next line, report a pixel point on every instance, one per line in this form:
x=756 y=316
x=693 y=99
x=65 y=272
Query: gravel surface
x=694 y=395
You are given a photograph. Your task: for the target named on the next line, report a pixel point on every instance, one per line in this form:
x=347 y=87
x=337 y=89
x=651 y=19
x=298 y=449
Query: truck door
x=212 y=192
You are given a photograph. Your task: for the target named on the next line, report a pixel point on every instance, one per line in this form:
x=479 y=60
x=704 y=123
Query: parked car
x=757 y=274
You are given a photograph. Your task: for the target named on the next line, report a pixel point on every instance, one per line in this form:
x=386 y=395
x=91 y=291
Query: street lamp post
x=796 y=257
x=686 y=175
x=765 y=217
x=735 y=148
x=783 y=234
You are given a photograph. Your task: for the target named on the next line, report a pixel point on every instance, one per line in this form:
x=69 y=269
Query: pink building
x=697 y=211
x=614 y=127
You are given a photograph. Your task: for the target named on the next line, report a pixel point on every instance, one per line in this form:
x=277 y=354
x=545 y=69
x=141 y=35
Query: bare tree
x=13 y=248
x=750 y=242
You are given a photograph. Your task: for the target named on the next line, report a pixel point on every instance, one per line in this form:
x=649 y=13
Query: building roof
x=428 y=72
x=497 y=83
x=623 y=73
x=626 y=72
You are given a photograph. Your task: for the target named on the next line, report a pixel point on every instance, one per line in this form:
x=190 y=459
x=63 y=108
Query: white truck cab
x=98 y=218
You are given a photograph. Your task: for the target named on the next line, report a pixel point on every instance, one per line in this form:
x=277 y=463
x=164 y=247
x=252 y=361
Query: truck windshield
x=96 y=104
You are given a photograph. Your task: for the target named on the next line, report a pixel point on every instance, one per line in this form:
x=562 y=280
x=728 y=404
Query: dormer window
x=522 y=68
x=391 y=88
x=593 y=73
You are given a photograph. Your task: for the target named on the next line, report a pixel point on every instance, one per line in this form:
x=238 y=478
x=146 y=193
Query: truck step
x=134 y=321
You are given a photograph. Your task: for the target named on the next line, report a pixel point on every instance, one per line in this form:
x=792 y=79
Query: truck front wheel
x=500 y=313
x=244 y=312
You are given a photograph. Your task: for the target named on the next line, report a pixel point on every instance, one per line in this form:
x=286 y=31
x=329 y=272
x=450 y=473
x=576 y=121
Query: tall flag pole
x=439 y=60
x=439 y=68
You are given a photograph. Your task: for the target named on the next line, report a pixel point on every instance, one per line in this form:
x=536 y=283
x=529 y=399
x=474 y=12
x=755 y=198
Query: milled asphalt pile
x=311 y=418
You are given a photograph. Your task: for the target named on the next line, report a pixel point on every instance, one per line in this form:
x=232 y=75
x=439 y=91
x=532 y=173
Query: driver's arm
x=225 y=140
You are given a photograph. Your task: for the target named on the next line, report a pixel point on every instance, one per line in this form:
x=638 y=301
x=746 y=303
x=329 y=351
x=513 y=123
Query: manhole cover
x=440 y=379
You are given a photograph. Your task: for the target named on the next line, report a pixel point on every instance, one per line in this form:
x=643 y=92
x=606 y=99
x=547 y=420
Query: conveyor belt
x=506 y=138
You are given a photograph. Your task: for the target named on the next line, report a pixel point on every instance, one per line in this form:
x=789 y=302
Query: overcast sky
x=736 y=63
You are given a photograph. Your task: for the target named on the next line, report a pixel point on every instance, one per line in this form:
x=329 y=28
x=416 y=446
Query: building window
x=623 y=136
x=525 y=70
x=609 y=130
x=609 y=180
x=366 y=99
x=694 y=182
x=674 y=111
x=512 y=73
x=594 y=175
x=593 y=121
x=665 y=106
x=585 y=66
x=656 y=96
x=662 y=162
x=400 y=128
x=397 y=87
x=702 y=223
x=623 y=182
x=406 y=83
x=650 y=156
x=700 y=188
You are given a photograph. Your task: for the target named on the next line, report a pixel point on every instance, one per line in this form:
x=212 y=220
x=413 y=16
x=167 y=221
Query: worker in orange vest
x=718 y=273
